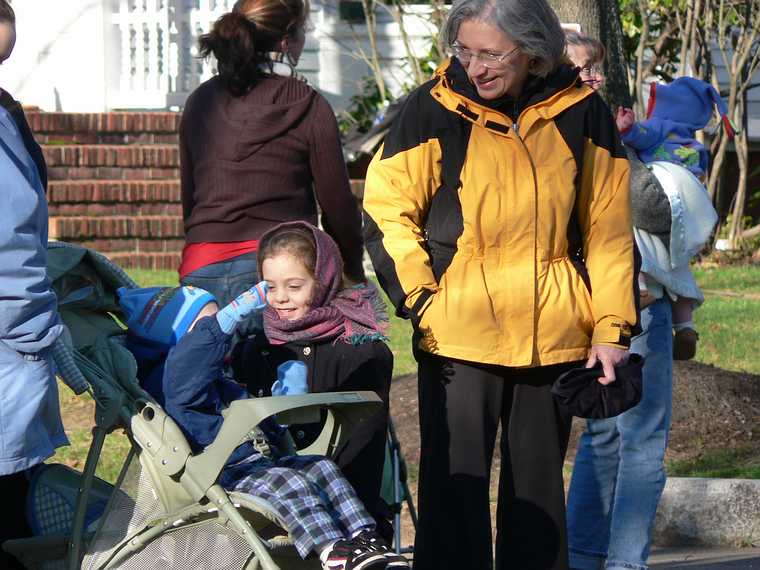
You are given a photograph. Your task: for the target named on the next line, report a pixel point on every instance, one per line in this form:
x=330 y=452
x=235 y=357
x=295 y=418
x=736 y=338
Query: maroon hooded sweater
x=249 y=163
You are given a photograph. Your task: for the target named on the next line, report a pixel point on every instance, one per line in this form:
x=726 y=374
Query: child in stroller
x=314 y=502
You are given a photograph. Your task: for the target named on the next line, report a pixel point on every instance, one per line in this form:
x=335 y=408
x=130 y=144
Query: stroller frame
x=401 y=493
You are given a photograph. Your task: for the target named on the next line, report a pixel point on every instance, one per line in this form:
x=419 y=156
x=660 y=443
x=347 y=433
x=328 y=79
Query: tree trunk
x=640 y=51
x=737 y=214
x=601 y=19
x=616 y=89
x=583 y=12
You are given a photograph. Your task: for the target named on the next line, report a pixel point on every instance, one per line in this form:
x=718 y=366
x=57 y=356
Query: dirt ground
x=712 y=409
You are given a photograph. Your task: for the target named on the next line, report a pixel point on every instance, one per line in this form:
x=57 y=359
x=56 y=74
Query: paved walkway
x=705 y=559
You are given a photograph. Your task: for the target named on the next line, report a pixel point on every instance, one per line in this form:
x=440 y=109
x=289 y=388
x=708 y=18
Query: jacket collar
x=542 y=98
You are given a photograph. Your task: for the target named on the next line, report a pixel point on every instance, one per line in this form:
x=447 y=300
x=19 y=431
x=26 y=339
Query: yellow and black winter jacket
x=502 y=229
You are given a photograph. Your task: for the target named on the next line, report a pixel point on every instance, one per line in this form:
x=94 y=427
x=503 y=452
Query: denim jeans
x=619 y=475
x=225 y=280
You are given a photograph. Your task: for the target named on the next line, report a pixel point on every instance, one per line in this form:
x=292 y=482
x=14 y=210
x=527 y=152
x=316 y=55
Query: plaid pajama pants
x=308 y=493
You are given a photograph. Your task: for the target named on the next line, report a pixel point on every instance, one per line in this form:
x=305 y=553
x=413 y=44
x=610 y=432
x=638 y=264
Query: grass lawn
x=729 y=327
x=148 y=278
x=729 y=330
x=739 y=278
x=726 y=463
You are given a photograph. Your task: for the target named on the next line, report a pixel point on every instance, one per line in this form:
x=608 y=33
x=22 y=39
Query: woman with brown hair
x=259 y=147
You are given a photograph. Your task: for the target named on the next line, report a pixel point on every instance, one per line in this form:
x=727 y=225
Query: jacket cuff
x=612 y=331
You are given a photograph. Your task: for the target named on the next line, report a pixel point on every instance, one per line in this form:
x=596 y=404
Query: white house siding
x=753 y=95
x=99 y=55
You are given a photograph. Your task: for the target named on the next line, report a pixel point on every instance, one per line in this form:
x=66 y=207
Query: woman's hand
x=610 y=357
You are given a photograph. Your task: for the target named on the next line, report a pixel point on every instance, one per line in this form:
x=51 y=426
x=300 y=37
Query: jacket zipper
x=535 y=238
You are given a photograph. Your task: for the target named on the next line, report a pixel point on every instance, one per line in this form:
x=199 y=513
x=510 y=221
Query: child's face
x=291 y=286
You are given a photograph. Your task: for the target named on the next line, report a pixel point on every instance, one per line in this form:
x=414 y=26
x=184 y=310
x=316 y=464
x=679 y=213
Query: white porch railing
x=153 y=47
x=156 y=58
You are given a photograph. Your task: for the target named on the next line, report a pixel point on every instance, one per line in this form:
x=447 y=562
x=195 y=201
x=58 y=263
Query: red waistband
x=197 y=255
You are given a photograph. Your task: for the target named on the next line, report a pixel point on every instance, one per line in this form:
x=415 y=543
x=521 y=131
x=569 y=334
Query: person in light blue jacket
x=30 y=418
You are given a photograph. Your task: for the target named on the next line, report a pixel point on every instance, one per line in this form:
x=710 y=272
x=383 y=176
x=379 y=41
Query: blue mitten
x=247 y=303
x=291 y=379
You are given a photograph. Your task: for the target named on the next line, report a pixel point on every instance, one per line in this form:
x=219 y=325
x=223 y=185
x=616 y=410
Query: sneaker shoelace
x=374 y=542
x=349 y=554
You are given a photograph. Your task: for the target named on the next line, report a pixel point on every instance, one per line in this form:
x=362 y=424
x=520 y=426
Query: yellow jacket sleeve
x=399 y=186
x=604 y=214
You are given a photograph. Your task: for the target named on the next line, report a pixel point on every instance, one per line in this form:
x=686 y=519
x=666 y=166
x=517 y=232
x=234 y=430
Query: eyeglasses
x=489 y=59
x=592 y=70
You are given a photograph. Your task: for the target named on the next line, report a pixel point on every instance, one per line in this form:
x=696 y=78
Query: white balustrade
x=158 y=50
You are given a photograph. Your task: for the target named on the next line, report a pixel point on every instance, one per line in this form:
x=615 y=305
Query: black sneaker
x=374 y=542
x=350 y=555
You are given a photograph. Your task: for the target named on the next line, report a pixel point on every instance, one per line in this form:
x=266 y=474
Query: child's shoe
x=351 y=555
x=685 y=344
x=373 y=541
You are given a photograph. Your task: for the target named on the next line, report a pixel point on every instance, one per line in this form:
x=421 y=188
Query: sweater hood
x=272 y=108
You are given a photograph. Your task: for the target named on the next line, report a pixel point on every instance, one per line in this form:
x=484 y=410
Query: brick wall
x=114 y=184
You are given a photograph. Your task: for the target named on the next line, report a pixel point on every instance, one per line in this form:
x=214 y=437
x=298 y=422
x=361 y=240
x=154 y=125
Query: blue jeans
x=619 y=475
x=225 y=280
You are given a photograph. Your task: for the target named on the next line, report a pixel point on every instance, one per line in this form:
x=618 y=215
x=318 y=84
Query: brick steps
x=114 y=183
x=83 y=228
x=125 y=156
x=76 y=191
x=135 y=245
x=128 y=209
x=140 y=260
x=134 y=123
x=111 y=173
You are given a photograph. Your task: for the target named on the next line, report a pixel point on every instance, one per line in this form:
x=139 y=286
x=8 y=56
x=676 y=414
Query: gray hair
x=531 y=24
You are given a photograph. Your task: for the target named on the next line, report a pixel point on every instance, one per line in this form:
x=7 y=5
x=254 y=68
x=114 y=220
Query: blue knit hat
x=687 y=100
x=162 y=314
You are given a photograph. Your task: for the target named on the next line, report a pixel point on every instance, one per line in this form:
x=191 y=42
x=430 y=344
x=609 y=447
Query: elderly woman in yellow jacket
x=497 y=219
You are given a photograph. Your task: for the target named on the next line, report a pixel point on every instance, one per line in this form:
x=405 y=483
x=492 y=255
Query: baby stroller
x=165 y=509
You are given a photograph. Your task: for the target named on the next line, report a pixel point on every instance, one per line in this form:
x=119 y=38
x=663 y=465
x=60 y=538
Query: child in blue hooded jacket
x=312 y=499
x=675 y=112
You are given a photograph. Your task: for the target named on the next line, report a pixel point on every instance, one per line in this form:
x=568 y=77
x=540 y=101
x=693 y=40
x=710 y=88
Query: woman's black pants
x=461 y=405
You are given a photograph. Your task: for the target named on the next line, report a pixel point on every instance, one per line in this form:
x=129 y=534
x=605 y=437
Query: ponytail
x=233 y=42
x=241 y=39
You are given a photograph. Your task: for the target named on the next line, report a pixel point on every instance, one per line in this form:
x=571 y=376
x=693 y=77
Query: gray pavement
x=682 y=558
